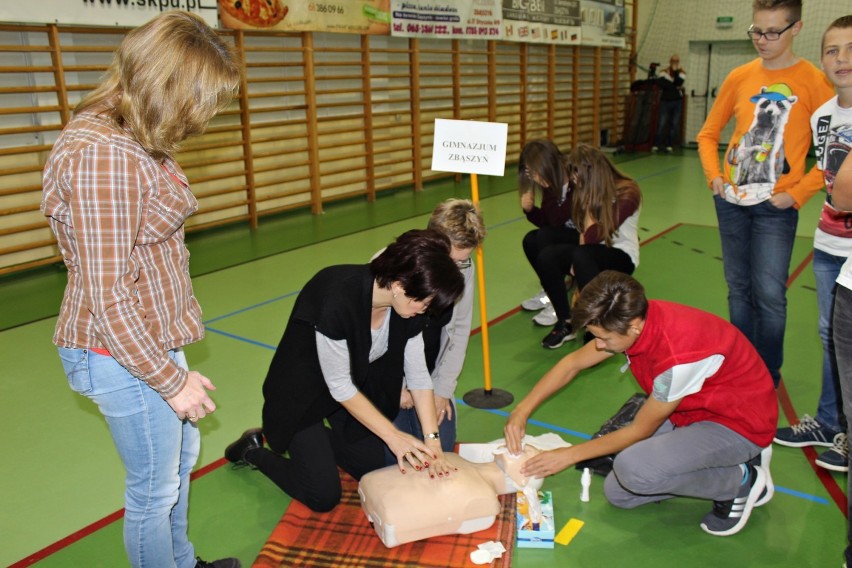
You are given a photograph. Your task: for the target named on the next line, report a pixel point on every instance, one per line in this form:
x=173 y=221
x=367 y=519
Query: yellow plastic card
x=569 y=531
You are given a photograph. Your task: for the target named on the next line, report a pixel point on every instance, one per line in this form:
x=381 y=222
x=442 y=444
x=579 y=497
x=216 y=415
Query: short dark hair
x=420 y=261
x=611 y=301
x=842 y=22
x=793 y=7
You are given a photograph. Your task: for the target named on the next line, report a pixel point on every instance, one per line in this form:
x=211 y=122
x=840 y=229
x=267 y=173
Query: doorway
x=707 y=66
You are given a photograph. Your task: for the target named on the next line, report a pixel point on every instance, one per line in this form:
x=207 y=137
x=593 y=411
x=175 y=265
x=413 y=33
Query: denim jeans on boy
x=826 y=269
x=842 y=330
x=757 y=243
x=158 y=452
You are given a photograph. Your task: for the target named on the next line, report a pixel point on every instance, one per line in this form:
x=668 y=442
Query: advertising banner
x=470 y=19
x=542 y=21
x=129 y=13
x=603 y=22
x=342 y=16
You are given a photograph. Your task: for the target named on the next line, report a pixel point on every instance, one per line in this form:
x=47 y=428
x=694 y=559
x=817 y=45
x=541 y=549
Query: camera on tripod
x=652 y=70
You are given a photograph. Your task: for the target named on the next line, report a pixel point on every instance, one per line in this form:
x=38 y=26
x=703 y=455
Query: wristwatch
x=434 y=436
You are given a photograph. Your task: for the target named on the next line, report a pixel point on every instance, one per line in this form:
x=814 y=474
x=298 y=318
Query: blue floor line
x=553 y=427
x=655 y=174
x=240 y=338
x=247 y=308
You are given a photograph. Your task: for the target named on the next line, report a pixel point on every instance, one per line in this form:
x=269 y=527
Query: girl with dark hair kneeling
x=353 y=334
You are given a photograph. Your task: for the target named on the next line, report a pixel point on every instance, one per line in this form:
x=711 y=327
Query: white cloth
x=484 y=453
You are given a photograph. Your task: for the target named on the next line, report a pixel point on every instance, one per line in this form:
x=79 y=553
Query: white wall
x=667 y=26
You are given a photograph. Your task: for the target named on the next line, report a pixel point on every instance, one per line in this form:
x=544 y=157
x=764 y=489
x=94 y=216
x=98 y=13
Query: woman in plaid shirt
x=117 y=202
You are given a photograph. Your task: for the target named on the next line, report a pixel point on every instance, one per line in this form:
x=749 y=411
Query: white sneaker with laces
x=537 y=302
x=546 y=317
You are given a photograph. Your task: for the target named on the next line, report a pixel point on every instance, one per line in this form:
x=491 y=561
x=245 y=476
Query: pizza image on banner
x=251 y=13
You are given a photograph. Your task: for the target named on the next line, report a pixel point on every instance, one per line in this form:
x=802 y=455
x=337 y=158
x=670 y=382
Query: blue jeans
x=408 y=422
x=757 y=243
x=668 y=124
x=158 y=452
x=842 y=328
x=826 y=269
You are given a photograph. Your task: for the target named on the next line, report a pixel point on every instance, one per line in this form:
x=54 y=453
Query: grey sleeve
x=416 y=373
x=334 y=362
x=454 y=340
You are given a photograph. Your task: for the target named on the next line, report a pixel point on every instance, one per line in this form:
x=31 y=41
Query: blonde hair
x=597 y=187
x=461 y=221
x=168 y=78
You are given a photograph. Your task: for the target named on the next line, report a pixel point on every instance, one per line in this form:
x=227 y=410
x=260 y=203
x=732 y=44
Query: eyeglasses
x=466 y=263
x=755 y=35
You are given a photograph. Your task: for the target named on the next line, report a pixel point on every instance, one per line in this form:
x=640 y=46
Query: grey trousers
x=842 y=320
x=701 y=460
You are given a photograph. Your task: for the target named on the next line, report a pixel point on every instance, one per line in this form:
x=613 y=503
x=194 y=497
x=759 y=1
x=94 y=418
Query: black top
x=336 y=302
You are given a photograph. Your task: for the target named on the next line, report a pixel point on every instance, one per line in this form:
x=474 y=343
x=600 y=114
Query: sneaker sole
x=802 y=444
x=535 y=309
x=832 y=467
x=769 y=492
x=545 y=323
x=756 y=490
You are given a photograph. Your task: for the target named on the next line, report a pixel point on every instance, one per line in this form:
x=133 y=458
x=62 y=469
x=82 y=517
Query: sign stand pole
x=485 y=397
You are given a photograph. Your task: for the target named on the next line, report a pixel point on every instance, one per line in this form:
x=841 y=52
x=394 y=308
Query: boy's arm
x=708 y=137
x=649 y=418
x=814 y=180
x=841 y=192
x=560 y=375
x=800 y=193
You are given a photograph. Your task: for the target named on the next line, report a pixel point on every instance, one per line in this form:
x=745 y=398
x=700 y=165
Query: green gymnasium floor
x=61 y=483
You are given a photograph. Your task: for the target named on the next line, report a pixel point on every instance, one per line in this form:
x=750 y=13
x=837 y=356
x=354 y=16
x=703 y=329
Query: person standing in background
x=117 y=202
x=832 y=132
x=836 y=62
x=758 y=190
x=671 y=81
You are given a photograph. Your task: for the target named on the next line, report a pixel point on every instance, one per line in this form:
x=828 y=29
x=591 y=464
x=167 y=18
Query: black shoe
x=729 y=517
x=221 y=563
x=561 y=333
x=236 y=453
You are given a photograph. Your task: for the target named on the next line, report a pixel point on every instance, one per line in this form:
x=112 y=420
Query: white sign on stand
x=469 y=147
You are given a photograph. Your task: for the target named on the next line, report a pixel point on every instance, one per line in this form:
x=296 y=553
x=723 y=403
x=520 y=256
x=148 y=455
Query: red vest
x=740 y=395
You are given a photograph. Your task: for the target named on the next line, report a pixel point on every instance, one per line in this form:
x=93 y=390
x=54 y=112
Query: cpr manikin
x=408 y=507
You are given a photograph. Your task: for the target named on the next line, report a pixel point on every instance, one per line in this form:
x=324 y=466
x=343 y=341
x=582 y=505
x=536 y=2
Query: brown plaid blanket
x=344 y=538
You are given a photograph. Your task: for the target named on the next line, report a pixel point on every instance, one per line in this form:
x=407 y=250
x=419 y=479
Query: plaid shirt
x=118 y=217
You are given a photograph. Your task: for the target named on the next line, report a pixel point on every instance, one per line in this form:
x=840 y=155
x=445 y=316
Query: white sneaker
x=546 y=317
x=537 y=302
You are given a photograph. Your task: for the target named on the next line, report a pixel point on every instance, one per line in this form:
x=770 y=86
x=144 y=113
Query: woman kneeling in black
x=353 y=334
